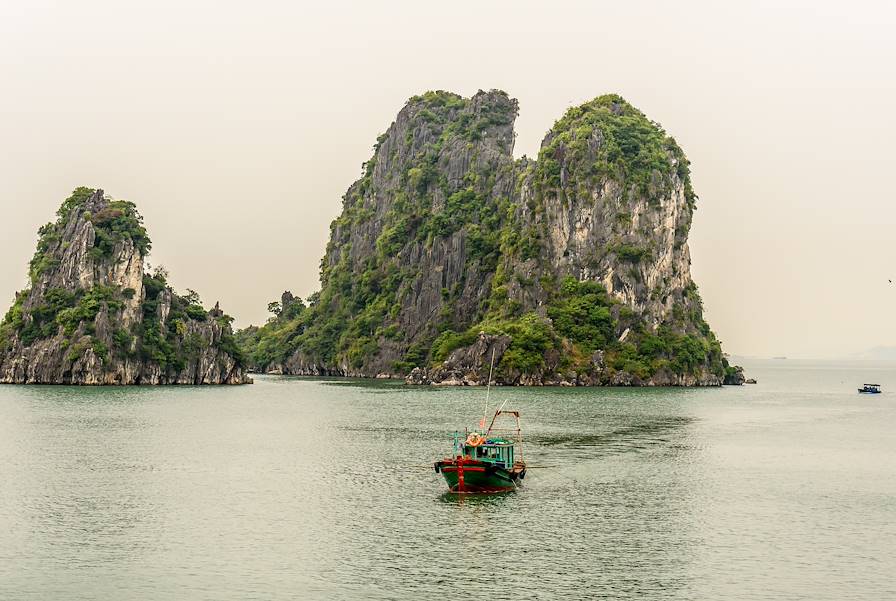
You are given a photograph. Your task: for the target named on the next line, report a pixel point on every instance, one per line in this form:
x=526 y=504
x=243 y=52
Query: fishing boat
x=870 y=389
x=488 y=461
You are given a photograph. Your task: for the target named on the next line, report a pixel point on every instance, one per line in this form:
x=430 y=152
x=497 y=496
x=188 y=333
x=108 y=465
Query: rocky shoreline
x=470 y=366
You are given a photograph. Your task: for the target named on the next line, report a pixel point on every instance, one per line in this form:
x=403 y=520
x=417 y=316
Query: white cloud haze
x=236 y=127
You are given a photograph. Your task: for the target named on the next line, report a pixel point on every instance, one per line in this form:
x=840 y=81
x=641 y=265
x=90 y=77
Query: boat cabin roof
x=497 y=442
x=488 y=445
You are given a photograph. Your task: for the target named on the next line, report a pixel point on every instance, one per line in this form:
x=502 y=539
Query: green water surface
x=310 y=489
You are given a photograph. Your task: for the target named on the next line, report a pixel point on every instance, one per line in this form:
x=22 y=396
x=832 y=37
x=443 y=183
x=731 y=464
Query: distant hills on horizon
x=876 y=353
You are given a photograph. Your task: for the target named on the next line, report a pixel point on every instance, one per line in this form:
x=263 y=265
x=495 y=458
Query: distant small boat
x=870 y=389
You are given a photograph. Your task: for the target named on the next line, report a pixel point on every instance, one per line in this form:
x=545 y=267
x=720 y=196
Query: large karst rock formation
x=570 y=269
x=92 y=316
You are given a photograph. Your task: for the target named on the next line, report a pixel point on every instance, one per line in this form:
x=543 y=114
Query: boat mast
x=488 y=389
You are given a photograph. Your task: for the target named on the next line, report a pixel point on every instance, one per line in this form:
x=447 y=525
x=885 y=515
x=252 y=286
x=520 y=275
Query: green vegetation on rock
x=119 y=221
x=445 y=236
x=92 y=316
x=614 y=140
x=114 y=223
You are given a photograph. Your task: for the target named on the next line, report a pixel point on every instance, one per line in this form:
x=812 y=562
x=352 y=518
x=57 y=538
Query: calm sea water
x=303 y=489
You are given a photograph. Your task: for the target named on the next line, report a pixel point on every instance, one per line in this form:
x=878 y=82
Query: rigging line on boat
x=496 y=415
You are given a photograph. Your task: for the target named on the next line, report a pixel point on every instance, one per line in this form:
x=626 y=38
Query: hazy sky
x=237 y=126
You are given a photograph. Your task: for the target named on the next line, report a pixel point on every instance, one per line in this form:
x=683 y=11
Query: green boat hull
x=477 y=477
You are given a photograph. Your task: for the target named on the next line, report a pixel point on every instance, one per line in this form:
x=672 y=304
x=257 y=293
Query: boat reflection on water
x=480 y=500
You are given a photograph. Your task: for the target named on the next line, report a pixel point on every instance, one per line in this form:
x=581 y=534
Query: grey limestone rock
x=91 y=315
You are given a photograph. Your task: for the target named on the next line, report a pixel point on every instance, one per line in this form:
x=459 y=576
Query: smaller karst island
x=450 y=258
x=92 y=315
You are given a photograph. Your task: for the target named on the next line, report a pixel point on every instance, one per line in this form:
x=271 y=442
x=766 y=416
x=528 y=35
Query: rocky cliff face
x=92 y=316
x=570 y=269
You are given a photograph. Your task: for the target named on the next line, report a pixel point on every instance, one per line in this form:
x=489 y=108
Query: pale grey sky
x=237 y=126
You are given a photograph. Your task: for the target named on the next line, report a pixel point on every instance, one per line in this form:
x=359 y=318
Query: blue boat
x=870 y=389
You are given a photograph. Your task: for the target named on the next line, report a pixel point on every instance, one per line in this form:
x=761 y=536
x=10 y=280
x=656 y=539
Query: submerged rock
x=91 y=315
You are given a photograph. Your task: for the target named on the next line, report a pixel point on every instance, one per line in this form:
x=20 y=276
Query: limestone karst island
x=570 y=269
x=450 y=259
x=92 y=315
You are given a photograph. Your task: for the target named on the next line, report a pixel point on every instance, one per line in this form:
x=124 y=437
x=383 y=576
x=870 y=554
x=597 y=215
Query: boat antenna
x=488 y=389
